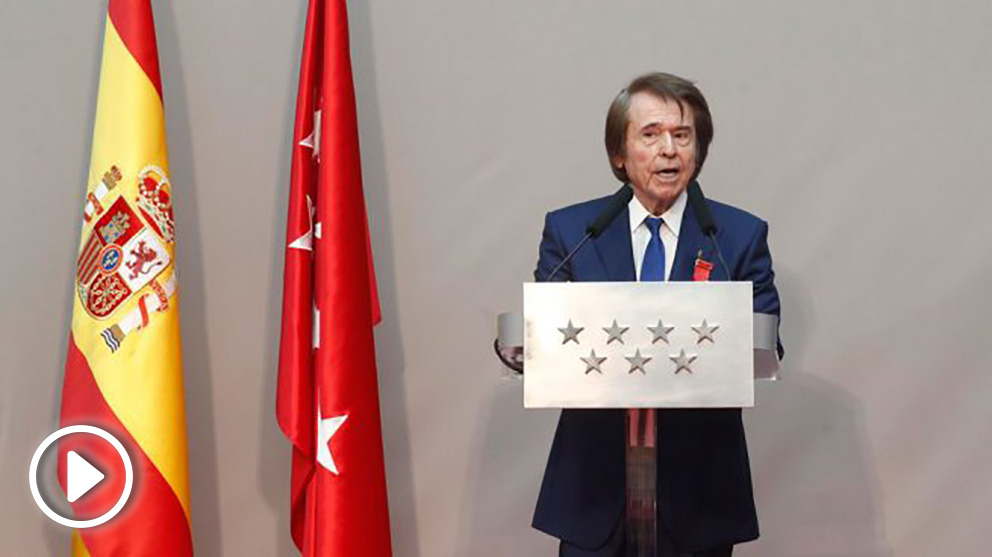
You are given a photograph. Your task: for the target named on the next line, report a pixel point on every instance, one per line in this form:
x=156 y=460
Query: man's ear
x=618 y=162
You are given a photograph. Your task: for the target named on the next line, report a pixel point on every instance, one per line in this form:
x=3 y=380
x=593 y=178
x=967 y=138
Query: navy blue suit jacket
x=704 y=479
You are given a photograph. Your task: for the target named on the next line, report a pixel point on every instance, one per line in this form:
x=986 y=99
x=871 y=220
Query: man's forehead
x=648 y=109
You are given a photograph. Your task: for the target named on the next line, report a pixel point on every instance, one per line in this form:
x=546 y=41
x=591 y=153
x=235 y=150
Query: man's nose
x=667 y=144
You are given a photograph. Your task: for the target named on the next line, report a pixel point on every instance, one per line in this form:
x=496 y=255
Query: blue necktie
x=653 y=266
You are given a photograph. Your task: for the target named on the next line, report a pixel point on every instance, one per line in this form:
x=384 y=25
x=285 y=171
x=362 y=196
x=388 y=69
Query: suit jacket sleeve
x=756 y=266
x=551 y=252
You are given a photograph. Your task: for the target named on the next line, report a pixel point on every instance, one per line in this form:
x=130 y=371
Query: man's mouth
x=668 y=172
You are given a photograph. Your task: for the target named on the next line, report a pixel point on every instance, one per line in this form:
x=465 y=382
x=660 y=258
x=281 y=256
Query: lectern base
x=642 y=510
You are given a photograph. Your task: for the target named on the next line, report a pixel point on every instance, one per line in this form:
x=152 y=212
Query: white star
x=313 y=140
x=660 y=332
x=593 y=362
x=682 y=361
x=305 y=242
x=705 y=332
x=326 y=428
x=571 y=332
x=616 y=332
x=637 y=362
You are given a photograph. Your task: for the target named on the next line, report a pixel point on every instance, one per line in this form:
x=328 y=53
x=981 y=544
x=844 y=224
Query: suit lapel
x=691 y=240
x=614 y=249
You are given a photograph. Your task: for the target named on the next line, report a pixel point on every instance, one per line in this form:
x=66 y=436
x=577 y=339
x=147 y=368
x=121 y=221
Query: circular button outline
x=33 y=476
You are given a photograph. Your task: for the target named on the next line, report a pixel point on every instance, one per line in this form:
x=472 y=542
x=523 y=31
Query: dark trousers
x=616 y=545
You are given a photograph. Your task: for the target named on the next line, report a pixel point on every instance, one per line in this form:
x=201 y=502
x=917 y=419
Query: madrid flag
x=327 y=403
x=123 y=371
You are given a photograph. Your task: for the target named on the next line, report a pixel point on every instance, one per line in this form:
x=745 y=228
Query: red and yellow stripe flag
x=124 y=367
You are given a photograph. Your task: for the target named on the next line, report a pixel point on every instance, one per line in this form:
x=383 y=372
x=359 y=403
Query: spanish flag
x=123 y=371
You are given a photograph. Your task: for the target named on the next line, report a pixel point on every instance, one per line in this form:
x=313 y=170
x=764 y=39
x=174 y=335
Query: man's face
x=660 y=150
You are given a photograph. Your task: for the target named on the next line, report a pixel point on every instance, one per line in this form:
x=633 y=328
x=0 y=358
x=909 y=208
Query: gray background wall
x=859 y=130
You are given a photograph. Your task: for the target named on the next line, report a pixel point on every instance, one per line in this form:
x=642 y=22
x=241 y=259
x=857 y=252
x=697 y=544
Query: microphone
x=700 y=208
x=613 y=208
x=702 y=211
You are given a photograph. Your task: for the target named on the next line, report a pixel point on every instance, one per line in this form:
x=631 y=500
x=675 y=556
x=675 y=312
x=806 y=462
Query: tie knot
x=654 y=225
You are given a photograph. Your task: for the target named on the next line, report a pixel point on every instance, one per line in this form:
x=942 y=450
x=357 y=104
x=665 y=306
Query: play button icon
x=82 y=476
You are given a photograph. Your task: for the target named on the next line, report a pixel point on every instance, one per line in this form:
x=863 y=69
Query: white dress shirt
x=640 y=235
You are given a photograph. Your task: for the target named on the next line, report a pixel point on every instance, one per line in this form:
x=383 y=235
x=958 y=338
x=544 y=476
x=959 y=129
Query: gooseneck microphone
x=613 y=208
x=702 y=211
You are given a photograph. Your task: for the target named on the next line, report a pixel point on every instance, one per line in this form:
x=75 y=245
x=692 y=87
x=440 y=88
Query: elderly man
x=658 y=132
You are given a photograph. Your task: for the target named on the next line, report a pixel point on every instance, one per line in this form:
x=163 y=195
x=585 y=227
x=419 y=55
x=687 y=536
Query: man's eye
x=682 y=135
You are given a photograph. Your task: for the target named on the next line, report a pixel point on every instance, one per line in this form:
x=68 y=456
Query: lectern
x=640 y=346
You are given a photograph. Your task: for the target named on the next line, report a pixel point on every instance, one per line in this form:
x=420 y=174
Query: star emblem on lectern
x=615 y=332
x=593 y=362
x=705 y=332
x=660 y=332
x=571 y=332
x=682 y=361
x=637 y=362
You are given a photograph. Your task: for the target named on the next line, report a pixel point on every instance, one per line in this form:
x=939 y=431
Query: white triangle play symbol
x=81 y=476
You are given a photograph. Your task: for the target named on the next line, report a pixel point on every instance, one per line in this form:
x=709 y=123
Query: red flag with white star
x=327 y=403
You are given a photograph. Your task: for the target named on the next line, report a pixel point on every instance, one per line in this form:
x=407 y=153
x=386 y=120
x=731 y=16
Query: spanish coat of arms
x=126 y=246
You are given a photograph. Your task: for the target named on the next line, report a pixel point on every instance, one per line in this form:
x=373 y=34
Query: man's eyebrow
x=680 y=127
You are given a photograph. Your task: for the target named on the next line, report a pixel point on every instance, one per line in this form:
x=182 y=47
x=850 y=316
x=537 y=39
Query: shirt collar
x=672 y=217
